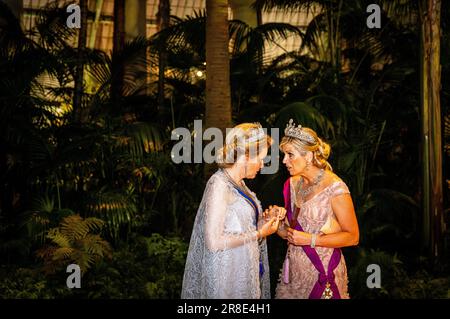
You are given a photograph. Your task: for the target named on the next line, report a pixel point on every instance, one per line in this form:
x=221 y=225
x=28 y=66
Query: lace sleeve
x=216 y=206
x=339 y=188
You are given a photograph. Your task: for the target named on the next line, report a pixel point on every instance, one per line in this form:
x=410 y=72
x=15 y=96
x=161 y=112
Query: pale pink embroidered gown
x=315 y=214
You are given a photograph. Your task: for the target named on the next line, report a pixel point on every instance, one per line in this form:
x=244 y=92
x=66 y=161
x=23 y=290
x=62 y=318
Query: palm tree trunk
x=218 y=99
x=163 y=20
x=117 y=71
x=431 y=128
x=95 y=23
x=79 y=70
x=89 y=79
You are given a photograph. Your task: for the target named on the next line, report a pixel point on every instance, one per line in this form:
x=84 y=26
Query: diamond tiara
x=297 y=132
x=256 y=135
x=238 y=136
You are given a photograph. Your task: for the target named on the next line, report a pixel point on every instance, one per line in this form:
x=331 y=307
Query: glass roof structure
x=102 y=38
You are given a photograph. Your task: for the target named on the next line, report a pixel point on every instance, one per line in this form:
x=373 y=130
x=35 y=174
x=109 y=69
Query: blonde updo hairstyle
x=320 y=149
x=241 y=140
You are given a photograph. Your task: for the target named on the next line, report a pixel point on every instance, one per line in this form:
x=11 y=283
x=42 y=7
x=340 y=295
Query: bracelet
x=313 y=240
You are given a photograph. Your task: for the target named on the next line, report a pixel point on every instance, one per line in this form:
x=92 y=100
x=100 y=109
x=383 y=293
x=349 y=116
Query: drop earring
x=308 y=164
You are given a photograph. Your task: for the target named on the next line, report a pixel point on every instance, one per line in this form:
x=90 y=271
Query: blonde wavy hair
x=320 y=149
x=242 y=139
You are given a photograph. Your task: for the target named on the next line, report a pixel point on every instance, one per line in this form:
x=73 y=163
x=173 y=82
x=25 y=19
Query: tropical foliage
x=73 y=243
x=96 y=186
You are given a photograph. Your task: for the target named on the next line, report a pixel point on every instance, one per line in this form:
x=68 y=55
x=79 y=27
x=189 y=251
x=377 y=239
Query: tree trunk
x=90 y=82
x=218 y=99
x=79 y=70
x=117 y=71
x=163 y=21
x=431 y=128
x=95 y=23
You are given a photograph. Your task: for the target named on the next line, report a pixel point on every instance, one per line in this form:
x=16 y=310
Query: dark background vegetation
x=96 y=186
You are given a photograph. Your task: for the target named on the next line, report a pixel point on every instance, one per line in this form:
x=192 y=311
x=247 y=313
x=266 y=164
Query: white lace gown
x=223 y=260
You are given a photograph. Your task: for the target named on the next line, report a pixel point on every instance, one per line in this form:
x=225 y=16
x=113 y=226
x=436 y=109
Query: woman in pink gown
x=320 y=220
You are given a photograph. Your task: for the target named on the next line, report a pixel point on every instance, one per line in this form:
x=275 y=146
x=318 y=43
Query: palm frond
x=334 y=109
x=96 y=246
x=134 y=57
x=185 y=33
x=94 y=224
x=402 y=11
x=74 y=243
x=51 y=26
x=140 y=138
x=74 y=228
x=313 y=38
x=12 y=37
x=44 y=204
x=63 y=253
x=253 y=40
x=84 y=260
x=386 y=211
x=288 y=4
x=306 y=115
x=116 y=209
x=59 y=238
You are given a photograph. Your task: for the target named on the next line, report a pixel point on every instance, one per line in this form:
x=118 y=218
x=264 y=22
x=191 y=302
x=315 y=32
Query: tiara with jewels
x=256 y=134
x=297 y=132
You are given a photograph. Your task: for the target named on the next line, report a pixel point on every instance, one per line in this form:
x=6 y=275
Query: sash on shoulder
x=325 y=284
x=255 y=207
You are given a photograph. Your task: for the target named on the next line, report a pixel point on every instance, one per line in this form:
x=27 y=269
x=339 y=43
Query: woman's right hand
x=269 y=227
x=274 y=211
x=282 y=232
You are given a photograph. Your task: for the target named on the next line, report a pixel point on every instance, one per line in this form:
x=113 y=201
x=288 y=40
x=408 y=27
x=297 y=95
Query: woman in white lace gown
x=227 y=255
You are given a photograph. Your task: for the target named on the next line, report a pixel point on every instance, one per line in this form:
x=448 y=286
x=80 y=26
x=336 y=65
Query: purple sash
x=323 y=279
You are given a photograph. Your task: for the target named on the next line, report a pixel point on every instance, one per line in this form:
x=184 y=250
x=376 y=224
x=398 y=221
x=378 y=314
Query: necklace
x=243 y=191
x=305 y=191
x=241 y=187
